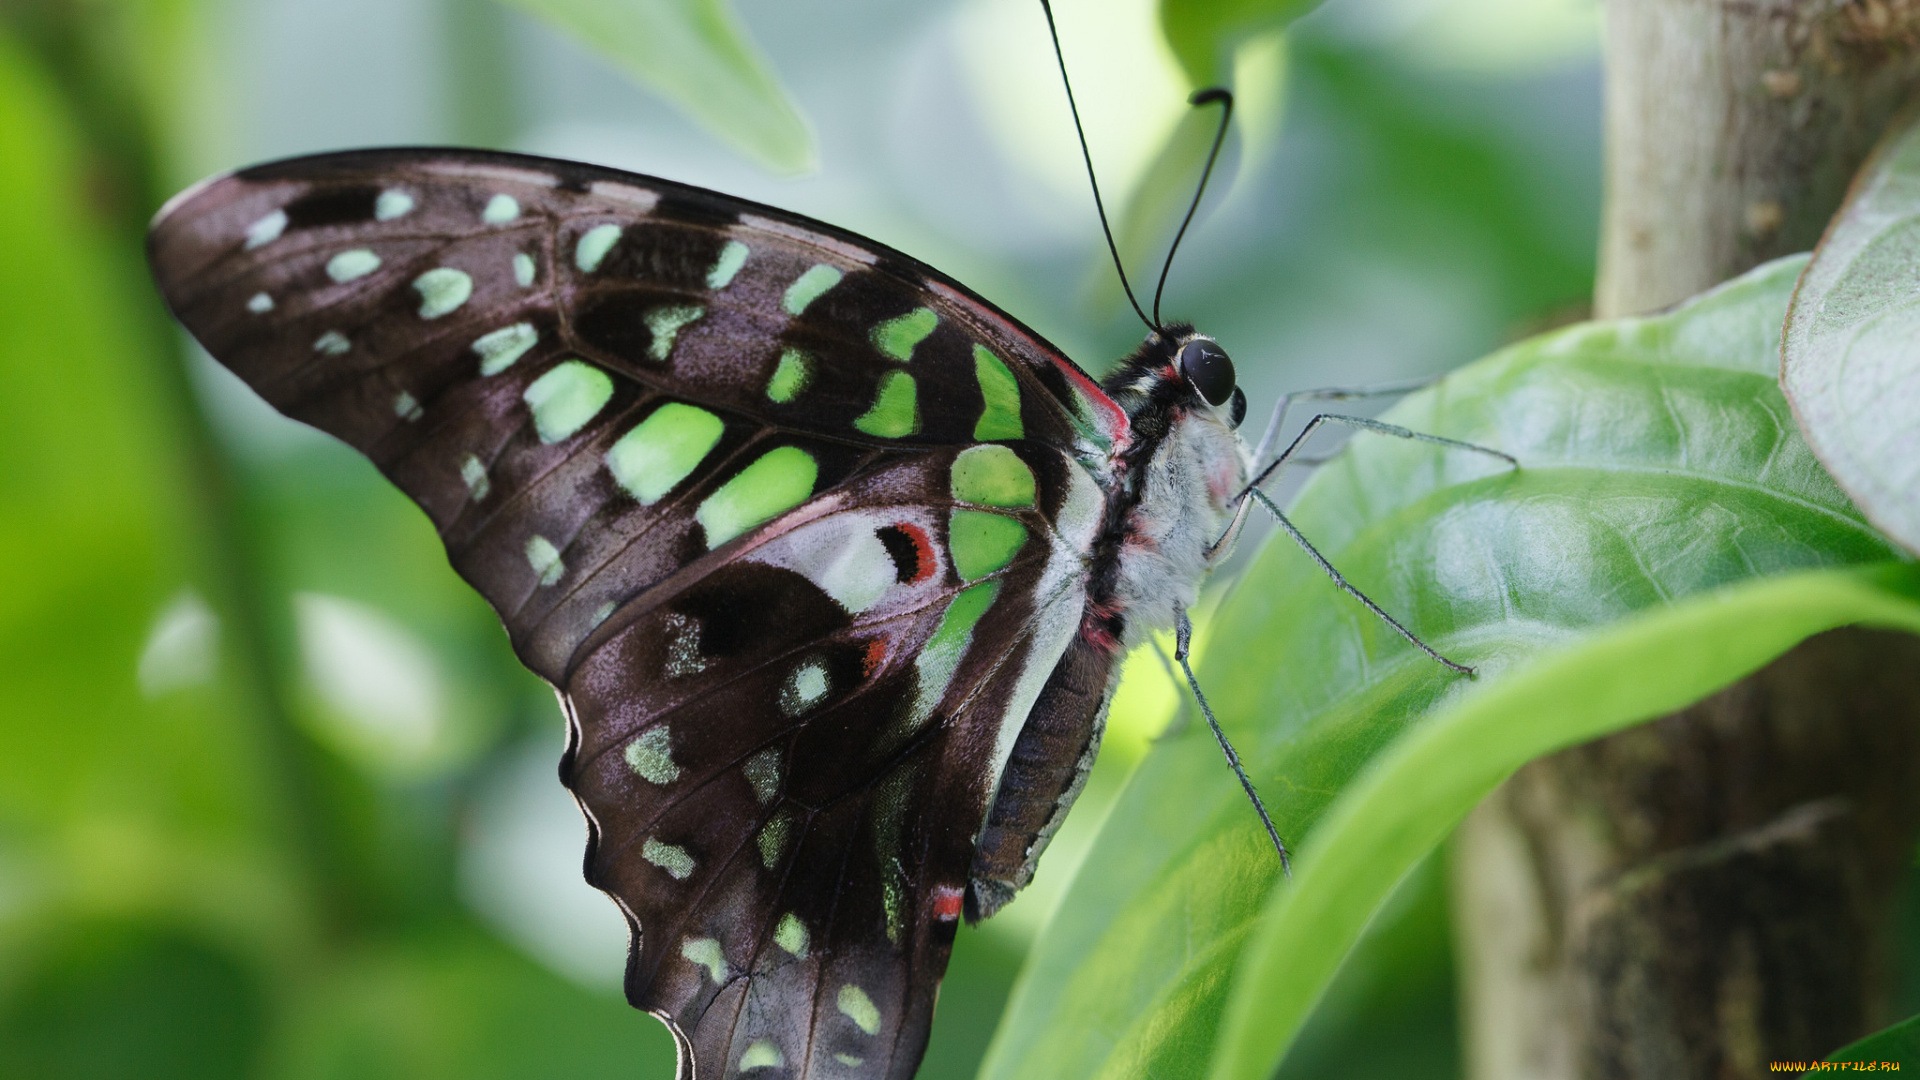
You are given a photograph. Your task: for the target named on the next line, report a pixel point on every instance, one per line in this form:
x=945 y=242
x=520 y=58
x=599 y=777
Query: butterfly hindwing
x=796 y=526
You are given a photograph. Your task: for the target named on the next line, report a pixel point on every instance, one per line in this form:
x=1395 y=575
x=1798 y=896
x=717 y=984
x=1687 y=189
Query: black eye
x=1206 y=366
x=1238 y=410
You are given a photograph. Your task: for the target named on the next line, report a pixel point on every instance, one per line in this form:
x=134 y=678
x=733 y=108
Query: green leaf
x=1899 y=1043
x=696 y=54
x=1204 y=33
x=1852 y=357
x=1626 y=568
x=451 y=1003
x=125 y=761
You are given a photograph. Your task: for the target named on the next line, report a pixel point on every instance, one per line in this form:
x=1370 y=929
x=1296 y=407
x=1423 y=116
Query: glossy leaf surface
x=1851 y=365
x=1664 y=487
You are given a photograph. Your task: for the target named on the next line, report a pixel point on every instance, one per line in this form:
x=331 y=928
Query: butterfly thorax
x=1169 y=499
x=1171 y=496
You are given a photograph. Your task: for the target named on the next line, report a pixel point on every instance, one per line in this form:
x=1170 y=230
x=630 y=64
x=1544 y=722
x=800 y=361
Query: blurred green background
x=276 y=800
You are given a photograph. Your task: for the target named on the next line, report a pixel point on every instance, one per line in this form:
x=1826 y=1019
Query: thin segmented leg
x=1183 y=637
x=1253 y=493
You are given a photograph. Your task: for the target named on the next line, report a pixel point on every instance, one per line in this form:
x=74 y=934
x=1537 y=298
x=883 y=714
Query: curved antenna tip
x=1209 y=94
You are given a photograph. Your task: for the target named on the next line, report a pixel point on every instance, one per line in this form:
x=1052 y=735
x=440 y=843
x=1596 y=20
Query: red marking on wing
x=946 y=903
x=925 y=563
x=876 y=655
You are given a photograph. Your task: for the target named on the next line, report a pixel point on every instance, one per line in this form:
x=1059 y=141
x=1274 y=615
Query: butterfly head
x=1179 y=368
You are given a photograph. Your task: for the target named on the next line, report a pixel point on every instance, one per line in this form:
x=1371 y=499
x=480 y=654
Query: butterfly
x=831 y=562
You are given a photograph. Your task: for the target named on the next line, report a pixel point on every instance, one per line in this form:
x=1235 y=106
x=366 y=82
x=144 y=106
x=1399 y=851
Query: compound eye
x=1237 y=411
x=1206 y=366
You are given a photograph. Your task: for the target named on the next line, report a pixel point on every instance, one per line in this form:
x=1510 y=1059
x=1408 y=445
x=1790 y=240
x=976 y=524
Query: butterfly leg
x=1367 y=423
x=1331 y=393
x=1313 y=552
x=1183 y=637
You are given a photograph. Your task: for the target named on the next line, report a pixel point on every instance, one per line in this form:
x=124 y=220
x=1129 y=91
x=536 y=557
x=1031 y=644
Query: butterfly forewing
x=796 y=526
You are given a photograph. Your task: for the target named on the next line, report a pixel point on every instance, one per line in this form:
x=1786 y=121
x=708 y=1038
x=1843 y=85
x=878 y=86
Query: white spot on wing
x=392 y=203
x=266 y=230
x=407 y=407
x=523 y=269
x=474 y=474
x=640 y=199
x=804 y=688
x=331 y=343
x=683 y=647
x=544 y=558
x=259 y=303
x=807 y=236
x=352 y=265
x=763 y=773
x=500 y=210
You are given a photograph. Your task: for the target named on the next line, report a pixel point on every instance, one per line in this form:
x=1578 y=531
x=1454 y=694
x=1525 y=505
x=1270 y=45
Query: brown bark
x=1713 y=891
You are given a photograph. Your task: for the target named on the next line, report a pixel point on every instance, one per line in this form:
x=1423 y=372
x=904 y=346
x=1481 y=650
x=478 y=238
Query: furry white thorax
x=1185 y=505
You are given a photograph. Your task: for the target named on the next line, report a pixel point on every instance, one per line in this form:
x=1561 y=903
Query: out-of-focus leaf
x=696 y=54
x=1205 y=33
x=451 y=1003
x=1659 y=465
x=1851 y=365
x=1899 y=1043
x=117 y=1000
x=138 y=800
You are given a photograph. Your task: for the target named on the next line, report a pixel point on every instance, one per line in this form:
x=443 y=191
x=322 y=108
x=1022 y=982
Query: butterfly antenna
x=1087 y=156
x=1200 y=97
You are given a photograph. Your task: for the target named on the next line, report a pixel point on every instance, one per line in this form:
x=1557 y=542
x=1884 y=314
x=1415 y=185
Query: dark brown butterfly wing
x=797 y=527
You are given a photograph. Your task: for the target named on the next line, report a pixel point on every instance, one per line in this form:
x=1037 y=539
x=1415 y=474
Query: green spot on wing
x=791 y=934
x=350 y=265
x=780 y=480
x=663 y=450
x=500 y=210
x=674 y=860
x=392 y=203
x=565 y=399
x=732 y=258
x=992 y=475
x=651 y=757
x=982 y=543
x=859 y=1008
x=897 y=337
x=665 y=324
x=772 y=838
x=499 y=350
x=808 y=286
x=544 y=558
x=442 y=289
x=1000 y=417
x=762 y=1054
x=523 y=269
x=956 y=626
x=706 y=952
x=895 y=411
x=593 y=247
x=790 y=377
